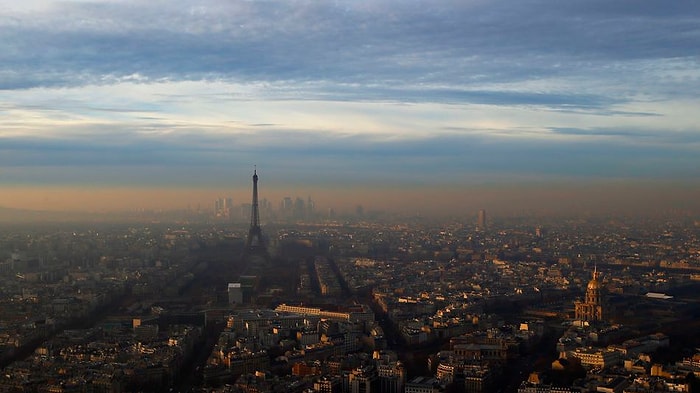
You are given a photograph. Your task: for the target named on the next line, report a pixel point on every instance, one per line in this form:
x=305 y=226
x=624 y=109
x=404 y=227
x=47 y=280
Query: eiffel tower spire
x=255 y=213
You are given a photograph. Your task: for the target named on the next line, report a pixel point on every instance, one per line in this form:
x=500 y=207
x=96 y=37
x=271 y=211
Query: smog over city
x=349 y=196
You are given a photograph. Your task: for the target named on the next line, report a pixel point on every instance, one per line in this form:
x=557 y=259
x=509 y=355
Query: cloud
x=447 y=42
x=415 y=92
x=681 y=139
x=317 y=158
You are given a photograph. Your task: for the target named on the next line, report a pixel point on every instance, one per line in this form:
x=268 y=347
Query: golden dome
x=594 y=284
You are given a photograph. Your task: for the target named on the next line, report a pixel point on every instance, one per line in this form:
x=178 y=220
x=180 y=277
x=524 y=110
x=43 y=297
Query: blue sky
x=351 y=93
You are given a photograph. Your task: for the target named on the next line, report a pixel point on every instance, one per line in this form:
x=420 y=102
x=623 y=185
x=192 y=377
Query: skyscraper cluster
x=223 y=207
x=297 y=209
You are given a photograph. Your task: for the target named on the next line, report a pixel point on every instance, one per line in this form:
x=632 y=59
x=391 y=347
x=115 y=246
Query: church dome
x=593 y=284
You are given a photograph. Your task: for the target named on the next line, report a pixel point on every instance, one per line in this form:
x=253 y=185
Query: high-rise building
x=310 y=207
x=299 y=209
x=223 y=207
x=287 y=206
x=481 y=220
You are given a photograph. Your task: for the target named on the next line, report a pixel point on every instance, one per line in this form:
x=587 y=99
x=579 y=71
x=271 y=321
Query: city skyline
x=472 y=105
x=644 y=200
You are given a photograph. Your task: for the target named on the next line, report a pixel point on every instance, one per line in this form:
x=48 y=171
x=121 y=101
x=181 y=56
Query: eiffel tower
x=255 y=247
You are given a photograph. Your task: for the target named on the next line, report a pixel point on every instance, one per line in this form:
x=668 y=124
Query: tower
x=481 y=220
x=591 y=309
x=255 y=242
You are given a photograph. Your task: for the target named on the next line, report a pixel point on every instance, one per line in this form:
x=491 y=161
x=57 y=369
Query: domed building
x=591 y=309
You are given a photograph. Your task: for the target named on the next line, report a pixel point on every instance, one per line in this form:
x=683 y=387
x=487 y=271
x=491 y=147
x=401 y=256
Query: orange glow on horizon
x=601 y=197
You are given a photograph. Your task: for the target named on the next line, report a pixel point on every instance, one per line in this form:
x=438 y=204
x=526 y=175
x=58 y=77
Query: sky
x=135 y=104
